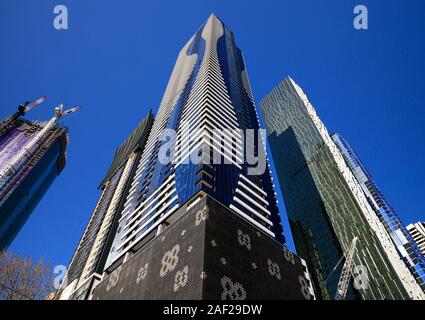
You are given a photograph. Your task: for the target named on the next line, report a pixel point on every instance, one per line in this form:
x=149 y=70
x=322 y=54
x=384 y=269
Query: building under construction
x=32 y=154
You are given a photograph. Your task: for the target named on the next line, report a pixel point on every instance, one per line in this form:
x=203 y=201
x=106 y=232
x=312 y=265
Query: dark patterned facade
x=209 y=253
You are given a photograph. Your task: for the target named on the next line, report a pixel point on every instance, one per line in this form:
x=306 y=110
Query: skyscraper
x=200 y=220
x=208 y=91
x=87 y=264
x=32 y=155
x=326 y=206
x=417 y=231
x=405 y=244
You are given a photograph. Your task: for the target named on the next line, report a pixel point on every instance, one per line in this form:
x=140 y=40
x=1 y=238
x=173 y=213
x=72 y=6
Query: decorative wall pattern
x=219 y=256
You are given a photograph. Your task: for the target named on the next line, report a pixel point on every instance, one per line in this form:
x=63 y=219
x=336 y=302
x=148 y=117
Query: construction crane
x=27 y=106
x=59 y=113
x=344 y=279
x=22 y=110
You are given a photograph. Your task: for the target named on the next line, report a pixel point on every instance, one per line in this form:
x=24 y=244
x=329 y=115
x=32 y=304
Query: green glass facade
x=323 y=202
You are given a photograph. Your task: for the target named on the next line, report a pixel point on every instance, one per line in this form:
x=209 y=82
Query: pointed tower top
x=213 y=16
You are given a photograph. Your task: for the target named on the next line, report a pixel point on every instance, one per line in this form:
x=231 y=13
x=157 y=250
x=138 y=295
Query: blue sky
x=116 y=57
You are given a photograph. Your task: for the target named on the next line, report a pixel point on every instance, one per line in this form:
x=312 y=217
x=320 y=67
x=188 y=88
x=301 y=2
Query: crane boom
x=345 y=277
x=29 y=106
x=22 y=110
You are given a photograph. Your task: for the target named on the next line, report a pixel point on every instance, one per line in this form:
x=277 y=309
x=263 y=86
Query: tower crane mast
x=344 y=279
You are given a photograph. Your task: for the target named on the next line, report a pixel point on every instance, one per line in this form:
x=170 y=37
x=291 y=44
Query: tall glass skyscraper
x=30 y=160
x=326 y=206
x=200 y=220
x=208 y=90
x=405 y=244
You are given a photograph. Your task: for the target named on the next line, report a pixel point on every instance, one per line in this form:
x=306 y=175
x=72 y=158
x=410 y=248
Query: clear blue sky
x=116 y=57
